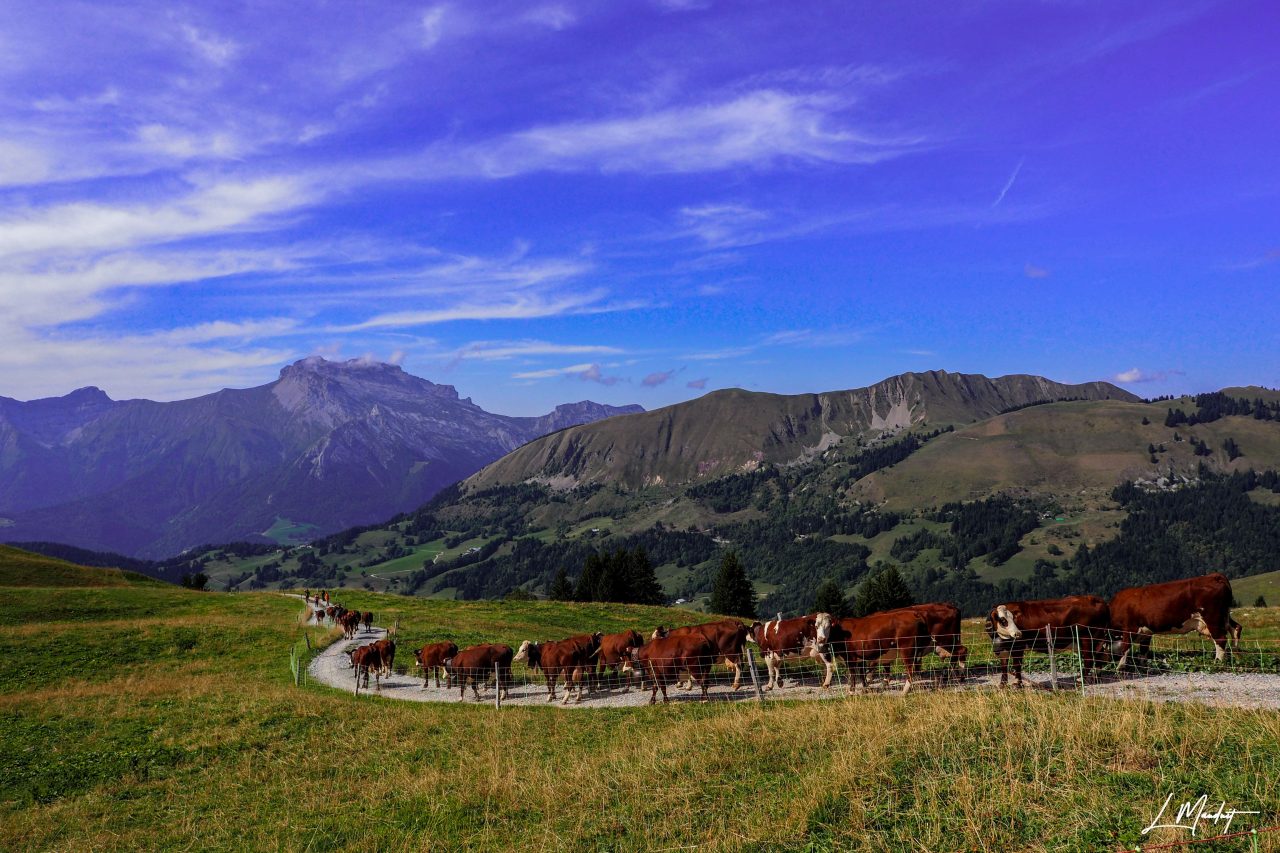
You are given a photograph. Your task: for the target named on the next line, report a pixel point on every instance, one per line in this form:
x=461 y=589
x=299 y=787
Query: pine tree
x=589 y=580
x=613 y=585
x=561 y=589
x=732 y=594
x=884 y=590
x=830 y=599
x=643 y=582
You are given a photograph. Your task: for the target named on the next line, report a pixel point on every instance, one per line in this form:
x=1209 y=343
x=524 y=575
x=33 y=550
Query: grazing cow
x=803 y=636
x=1200 y=604
x=474 y=664
x=367 y=619
x=727 y=637
x=614 y=650
x=573 y=658
x=876 y=640
x=663 y=659
x=942 y=622
x=1018 y=626
x=365 y=660
x=431 y=658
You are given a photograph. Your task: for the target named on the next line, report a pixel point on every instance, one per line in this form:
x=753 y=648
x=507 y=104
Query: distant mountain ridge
x=326 y=446
x=734 y=430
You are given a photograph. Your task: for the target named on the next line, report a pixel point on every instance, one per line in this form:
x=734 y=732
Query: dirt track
x=1240 y=690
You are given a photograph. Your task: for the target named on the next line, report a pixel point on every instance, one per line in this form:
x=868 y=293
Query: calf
x=431 y=658
x=614 y=650
x=803 y=636
x=878 y=639
x=1200 y=604
x=1018 y=626
x=474 y=664
x=727 y=637
x=572 y=658
x=663 y=659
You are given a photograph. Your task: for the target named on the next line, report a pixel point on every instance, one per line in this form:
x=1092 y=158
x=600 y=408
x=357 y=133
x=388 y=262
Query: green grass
x=286 y=532
x=145 y=716
x=22 y=568
x=1247 y=590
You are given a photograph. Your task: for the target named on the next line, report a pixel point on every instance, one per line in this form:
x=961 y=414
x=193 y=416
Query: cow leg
x=769 y=665
x=736 y=666
x=1017 y=667
x=1004 y=669
x=826 y=663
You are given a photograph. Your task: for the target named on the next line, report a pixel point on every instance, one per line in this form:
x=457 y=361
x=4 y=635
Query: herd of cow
x=1117 y=631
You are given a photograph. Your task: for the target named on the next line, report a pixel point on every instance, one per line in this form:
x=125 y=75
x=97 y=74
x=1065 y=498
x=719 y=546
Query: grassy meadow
x=136 y=715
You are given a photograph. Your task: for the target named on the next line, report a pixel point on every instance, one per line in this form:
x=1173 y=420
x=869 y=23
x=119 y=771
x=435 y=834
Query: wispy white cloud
x=502 y=350
x=591 y=372
x=697 y=384
x=1034 y=271
x=95 y=226
x=760 y=128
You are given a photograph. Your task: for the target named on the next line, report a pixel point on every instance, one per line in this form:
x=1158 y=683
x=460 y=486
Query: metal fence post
x=1053 y=661
x=1080 y=653
x=755 y=676
x=497 y=685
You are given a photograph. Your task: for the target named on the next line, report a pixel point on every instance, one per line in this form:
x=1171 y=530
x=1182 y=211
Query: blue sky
x=638 y=201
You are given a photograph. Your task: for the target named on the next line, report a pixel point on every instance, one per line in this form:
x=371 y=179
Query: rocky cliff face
x=328 y=444
x=734 y=430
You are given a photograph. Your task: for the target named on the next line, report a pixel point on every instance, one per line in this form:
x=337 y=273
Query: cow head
x=821 y=630
x=629 y=660
x=529 y=652
x=658 y=633
x=1004 y=622
x=753 y=632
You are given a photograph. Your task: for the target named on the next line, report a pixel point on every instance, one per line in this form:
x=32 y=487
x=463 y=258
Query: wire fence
x=1062 y=658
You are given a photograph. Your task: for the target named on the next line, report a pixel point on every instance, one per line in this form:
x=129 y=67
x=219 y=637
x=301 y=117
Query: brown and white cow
x=319 y=616
x=727 y=637
x=664 y=659
x=1016 y=627
x=614 y=650
x=330 y=613
x=1200 y=604
x=803 y=636
x=431 y=658
x=572 y=658
x=877 y=640
x=474 y=664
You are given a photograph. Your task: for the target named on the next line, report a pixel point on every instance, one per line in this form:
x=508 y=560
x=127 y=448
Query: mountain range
x=326 y=446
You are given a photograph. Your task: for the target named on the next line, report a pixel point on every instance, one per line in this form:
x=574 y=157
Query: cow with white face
x=803 y=636
x=1017 y=627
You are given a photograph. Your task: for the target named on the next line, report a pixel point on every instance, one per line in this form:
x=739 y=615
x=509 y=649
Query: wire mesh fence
x=1081 y=660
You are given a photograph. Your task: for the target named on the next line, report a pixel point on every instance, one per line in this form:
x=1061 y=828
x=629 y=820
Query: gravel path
x=1239 y=690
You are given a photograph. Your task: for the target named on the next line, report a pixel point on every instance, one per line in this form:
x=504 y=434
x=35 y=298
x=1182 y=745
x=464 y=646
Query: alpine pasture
x=139 y=715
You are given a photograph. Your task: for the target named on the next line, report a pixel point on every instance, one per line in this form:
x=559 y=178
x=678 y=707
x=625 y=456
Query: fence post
x=1080 y=654
x=1053 y=661
x=497 y=685
x=755 y=676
